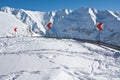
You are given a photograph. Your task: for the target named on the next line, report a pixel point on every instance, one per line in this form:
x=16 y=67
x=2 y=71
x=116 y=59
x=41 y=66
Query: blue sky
x=49 y=5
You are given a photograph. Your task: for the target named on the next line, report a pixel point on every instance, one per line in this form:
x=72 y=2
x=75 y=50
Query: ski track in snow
x=51 y=59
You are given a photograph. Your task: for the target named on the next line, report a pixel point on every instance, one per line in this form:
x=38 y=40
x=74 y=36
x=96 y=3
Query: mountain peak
x=7 y=9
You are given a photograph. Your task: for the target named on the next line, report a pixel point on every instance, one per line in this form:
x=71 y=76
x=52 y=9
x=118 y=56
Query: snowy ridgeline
x=40 y=59
x=80 y=23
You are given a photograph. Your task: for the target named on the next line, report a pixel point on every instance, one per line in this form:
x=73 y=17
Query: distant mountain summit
x=79 y=24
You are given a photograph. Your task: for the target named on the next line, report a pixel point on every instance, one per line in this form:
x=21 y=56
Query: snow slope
x=8 y=23
x=80 y=23
x=31 y=18
x=51 y=59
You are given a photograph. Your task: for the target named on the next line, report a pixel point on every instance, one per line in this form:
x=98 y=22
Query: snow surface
x=25 y=58
x=8 y=23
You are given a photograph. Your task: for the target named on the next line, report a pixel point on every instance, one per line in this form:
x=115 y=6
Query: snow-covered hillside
x=8 y=23
x=80 y=23
x=51 y=59
x=30 y=18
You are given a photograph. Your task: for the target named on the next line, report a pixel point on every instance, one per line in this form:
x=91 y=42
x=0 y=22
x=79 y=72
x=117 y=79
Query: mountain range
x=78 y=24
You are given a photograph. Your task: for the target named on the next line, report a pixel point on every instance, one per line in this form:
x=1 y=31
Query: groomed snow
x=28 y=58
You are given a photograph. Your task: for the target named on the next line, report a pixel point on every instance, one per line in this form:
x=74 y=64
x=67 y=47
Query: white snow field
x=8 y=22
x=25 y=58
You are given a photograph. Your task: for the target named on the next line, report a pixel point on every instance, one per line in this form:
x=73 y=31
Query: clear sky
x=49 y=5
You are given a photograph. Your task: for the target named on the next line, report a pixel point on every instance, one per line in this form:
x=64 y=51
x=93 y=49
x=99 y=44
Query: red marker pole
x=98 y=42
x=99 y=28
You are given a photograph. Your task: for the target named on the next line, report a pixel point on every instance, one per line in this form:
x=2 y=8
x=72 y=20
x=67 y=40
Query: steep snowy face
x=111 y=32
x=7 y=24
x=38 y=19
x=81 y=24
x=54 y=17
x=76 y=24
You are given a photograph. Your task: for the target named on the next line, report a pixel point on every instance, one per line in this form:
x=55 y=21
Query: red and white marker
x=100 y=26
x=15 y=29
x=49 y=25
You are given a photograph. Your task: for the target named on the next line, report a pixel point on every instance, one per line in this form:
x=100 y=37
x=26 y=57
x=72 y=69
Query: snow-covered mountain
x=80 y=23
